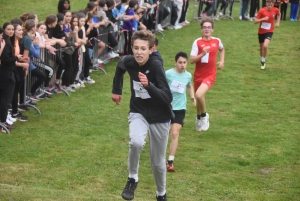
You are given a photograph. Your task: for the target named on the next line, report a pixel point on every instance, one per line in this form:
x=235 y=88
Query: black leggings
x=19 y=88
x=66 y=78
x=75 y=65
x=87 y=63
x=40 y=79
x=61 y=66
x=208 y=6
x=112 y=41
x=254 y=5
x=184 y=10
x=127 y=45
x=6 y=95
x=283 y=9
x=174 y=15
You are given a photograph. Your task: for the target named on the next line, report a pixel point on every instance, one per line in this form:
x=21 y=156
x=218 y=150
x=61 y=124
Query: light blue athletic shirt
x=178 y=83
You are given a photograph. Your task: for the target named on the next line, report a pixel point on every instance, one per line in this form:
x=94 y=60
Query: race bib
x=205 y=58
x=266 y=25
x=140 y=91
x=177 y=86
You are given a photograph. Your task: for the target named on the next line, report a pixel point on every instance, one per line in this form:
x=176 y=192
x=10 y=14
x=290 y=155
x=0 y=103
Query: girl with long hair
x=8 y=73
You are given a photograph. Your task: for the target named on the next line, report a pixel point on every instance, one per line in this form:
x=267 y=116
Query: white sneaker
x=75 y=86
x=9 y=122
x=112 y=54
x=177 y=27
x=10 y=118
x=187 y=22
x=198 y=124
x=89 y=80
x=205 y=122
x=81 y=83
x=99 y=61
x=240 y=17
x=159 y=28
x=220 y=14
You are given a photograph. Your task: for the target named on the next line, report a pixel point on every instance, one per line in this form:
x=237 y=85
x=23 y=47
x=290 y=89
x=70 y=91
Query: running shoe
x=128 y=192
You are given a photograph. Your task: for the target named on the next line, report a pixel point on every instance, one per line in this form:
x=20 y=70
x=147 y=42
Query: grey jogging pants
x=158 y=136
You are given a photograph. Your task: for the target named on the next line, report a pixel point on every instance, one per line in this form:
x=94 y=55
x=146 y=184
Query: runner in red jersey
x=266 y=17
x=204 y=55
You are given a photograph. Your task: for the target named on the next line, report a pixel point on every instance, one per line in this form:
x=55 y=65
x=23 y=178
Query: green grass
x=77 y=148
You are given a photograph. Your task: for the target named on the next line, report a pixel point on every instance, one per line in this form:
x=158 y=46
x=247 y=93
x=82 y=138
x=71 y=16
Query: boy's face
x=207 y=29
x=269 y=4
x=181 y=64
x=141 y=51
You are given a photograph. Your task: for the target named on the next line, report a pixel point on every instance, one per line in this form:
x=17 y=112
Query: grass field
x=77 y=148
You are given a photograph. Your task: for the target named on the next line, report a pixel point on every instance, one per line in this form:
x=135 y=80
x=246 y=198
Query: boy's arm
x=192 y=95
x=161 y=90
x=118 y=82
x=222 y=58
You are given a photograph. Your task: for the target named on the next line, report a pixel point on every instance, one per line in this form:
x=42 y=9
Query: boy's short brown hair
x=144 y=35
x=203 y=20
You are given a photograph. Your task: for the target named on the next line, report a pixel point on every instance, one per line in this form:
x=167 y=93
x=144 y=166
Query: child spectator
x=63 y=6
x=283 y=8
x=128 y=27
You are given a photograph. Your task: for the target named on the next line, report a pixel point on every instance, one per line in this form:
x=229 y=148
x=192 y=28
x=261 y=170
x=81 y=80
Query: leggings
x=254 y=5
x=19 y=88
x=127 y=45
x=66 y=78
x=283 y=9
x=174 y=15
x=40 y=79
x=6 y=95
x=184 y=11
x=61 y=66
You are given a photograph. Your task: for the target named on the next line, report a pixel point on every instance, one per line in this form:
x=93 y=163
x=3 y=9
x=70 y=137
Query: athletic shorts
x=209 y=81
x=262 y=37
x=179 y=117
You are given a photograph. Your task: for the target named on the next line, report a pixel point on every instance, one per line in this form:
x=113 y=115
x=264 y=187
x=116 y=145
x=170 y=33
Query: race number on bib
x=266 y=25
x=140 y=91
x=205 y=58
x=177 y=86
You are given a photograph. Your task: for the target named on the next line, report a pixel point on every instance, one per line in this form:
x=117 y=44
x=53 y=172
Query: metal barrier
x=208 y=11
x=47 y=65
x=102 y=37
x=226 y=4
x=2 y=126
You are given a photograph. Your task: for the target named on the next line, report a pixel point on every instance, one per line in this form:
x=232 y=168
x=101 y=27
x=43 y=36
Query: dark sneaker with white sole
x=128 y=192
x=20 y=117
x=162 y=198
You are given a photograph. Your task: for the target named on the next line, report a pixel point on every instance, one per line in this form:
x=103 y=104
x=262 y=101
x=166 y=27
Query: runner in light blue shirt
x=179 y=80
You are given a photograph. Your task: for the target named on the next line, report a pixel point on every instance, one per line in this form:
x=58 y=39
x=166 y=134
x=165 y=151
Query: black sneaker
x=162 y=198
x=128 y=192
x=23 y=108
x=20 y=117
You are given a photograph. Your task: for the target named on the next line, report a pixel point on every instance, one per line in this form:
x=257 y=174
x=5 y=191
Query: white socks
x=171 y=158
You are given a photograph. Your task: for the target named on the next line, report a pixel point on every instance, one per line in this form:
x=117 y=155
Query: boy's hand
x=116 y=98
x=143 y=79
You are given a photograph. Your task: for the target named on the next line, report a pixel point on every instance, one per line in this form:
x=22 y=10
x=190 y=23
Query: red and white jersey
x=207 y=65
x=267 y=26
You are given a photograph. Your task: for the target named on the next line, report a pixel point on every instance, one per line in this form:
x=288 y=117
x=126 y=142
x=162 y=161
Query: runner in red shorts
x=266 y=17
x=204 y=55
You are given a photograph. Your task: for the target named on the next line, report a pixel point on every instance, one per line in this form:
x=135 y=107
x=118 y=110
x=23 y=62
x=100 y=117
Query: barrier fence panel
x=46 y=64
